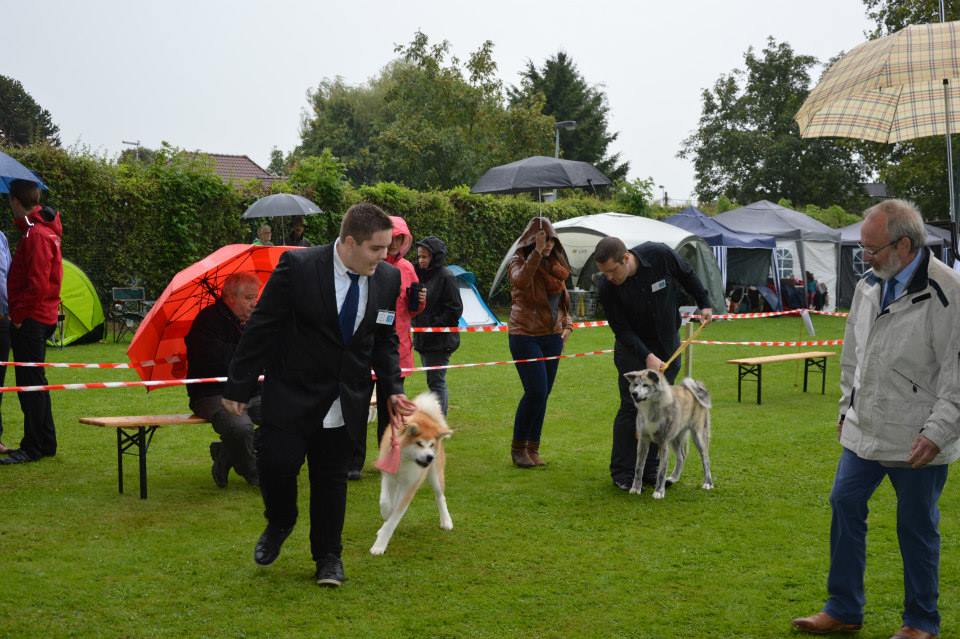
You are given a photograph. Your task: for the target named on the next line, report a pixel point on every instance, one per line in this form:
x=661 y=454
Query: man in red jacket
x=33 y=286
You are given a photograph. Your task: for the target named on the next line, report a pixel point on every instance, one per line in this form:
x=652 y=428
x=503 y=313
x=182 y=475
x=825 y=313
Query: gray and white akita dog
x=665 y=415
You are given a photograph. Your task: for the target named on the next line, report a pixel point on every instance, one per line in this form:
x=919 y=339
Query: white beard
x=891 y=268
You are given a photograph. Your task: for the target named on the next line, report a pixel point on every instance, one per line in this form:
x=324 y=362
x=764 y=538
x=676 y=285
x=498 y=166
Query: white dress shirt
x=341 y=281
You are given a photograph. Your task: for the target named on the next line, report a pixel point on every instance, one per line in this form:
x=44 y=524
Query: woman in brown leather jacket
x=539 y=325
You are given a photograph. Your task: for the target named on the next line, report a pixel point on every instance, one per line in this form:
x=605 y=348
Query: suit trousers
x=280 y=455
x=29 y=344
x=623 y=454
x=918 y=516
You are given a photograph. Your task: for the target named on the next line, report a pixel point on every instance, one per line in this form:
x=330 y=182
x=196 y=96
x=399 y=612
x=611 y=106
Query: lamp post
x=134 y=144
x=663 y=194
x=562 y=124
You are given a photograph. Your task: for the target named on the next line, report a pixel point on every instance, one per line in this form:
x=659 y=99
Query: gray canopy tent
x=803 y=243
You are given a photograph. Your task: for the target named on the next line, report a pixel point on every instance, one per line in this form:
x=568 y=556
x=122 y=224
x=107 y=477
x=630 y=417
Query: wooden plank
x=136 y=421
x=784 y=357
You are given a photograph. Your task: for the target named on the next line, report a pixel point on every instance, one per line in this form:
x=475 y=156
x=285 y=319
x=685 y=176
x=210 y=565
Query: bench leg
x=140 y=439
x=120 y=450
x=749 y=370
x=820 y=364
x=759 y=382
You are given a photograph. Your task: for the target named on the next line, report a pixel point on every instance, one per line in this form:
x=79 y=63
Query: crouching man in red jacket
x=33 y=286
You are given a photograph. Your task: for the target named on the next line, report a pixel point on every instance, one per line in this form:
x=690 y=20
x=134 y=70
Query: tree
x=22 y=120
x=748 y=147
x=278 y=164
x=893 y=15
x=427 y=121
x=567 y=96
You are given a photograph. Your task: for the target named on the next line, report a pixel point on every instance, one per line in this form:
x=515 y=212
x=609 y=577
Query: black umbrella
x=539 y=173
x=281 y=205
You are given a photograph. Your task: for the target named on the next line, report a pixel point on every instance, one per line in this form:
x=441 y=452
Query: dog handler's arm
x=706 y=314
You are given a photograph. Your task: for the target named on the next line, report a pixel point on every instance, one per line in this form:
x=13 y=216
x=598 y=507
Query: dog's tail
x=699 y=391
x=429 y=404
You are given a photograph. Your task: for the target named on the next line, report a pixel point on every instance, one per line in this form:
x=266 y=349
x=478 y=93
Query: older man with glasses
x=899 y=418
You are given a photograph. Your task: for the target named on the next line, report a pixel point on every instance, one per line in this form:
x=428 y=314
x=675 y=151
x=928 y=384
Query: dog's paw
x=377 y=549
x=707 y=485
x=446 y=524
x=635 y=490
x=659 y=494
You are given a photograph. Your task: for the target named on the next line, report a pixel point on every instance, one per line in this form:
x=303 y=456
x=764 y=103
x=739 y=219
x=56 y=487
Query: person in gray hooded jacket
x=899 y=417
x=444 y=308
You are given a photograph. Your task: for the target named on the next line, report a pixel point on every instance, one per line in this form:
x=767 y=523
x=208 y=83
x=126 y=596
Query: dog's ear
x=632 y=376
x=653 y=376
x=444 y=434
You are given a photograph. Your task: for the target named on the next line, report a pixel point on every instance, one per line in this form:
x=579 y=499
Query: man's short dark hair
x=609 y=248
x=26 y=192
x=362 y=221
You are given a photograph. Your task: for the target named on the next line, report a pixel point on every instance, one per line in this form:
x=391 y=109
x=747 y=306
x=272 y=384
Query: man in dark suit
x=324 y=320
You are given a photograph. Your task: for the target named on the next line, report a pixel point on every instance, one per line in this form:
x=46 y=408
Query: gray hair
x=237 y=281
x=903 y=220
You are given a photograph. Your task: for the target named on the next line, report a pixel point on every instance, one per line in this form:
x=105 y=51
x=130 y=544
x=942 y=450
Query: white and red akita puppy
x=421 y=456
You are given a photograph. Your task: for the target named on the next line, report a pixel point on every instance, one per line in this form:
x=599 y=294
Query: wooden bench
x=141 y=429
x=753 y=367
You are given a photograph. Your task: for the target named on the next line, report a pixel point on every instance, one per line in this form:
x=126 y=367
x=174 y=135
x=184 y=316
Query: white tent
x=580 y=235
x=803 y=243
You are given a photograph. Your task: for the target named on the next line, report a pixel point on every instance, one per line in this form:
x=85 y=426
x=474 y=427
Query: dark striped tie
x=348 y=311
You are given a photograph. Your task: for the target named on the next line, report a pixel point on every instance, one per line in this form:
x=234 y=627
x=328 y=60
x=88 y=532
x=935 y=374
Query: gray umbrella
x=281 y=205
x=539 y=173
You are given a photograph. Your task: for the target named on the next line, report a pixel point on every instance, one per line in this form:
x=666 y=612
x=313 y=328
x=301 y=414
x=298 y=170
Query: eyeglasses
x=875 y=252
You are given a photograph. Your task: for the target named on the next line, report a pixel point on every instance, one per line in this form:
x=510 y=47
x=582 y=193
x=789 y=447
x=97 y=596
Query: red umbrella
x=160 y=335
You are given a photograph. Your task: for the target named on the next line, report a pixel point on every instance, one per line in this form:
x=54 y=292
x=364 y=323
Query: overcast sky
x=232 y=77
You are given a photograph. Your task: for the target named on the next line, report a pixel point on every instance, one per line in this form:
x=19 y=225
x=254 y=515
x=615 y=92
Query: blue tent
x=475 y=310
x=745 y=259
x=715 y=233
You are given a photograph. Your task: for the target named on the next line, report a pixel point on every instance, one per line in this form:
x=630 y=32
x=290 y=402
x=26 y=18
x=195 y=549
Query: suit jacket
x=293 y=337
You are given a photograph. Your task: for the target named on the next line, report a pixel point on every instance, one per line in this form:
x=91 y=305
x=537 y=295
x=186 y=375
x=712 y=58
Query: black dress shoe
x=330 y=572
x=221 y=467
x=18 y=456
x=268 y=546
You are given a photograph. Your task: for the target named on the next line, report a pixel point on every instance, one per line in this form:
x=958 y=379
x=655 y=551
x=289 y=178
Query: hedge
x=138 y=224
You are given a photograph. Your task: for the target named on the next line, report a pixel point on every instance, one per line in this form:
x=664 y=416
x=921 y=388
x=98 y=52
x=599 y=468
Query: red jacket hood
x=43 y=216
x=400 y=228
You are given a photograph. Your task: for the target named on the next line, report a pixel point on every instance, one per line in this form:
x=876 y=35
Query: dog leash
x=683 y=346
x=391 y=462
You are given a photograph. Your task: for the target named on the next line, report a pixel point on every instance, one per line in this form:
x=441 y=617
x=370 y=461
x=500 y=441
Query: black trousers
x=280 y=455
x=623 y=456
x=4 y=356
x=29 y=344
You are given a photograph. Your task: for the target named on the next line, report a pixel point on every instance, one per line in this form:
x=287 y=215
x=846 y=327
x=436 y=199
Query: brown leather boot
x=533 y=452
x=518 y=451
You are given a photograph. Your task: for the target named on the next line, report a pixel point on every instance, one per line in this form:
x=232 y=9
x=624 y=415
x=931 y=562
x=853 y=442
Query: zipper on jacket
x=914 y=384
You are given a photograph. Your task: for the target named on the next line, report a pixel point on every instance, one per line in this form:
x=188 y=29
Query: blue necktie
x=888 y=294
x=348 y=312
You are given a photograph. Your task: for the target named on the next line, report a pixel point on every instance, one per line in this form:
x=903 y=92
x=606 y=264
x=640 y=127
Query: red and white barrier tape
x=145 y=364
x=826 y=342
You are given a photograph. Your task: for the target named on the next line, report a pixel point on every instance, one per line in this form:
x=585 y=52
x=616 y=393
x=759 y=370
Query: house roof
x=239 y=168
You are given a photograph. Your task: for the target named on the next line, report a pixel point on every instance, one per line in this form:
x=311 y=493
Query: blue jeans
x=917 y=519
x=437 y=380
x=537 y=379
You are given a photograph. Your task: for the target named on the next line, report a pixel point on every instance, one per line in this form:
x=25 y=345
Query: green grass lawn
x=554 y=552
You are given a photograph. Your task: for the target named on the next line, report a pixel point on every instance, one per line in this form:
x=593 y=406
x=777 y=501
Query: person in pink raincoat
x=410 y=303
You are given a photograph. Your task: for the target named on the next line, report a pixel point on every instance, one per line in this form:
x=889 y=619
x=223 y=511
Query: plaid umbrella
x=160 y=334
x=895 y=88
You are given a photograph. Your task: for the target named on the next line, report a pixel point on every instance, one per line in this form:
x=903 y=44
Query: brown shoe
x=906 y=632
x=533 y=452
x=518 y=452
x=4 y=450
x=823 y=624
